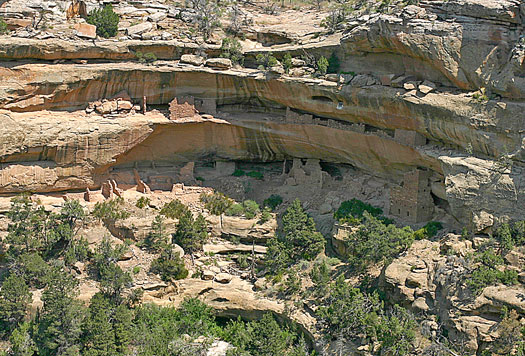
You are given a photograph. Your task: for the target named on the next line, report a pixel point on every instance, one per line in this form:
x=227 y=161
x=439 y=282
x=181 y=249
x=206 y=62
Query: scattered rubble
x=112 y=106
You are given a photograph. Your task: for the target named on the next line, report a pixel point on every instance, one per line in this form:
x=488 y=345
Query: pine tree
x=22 y=344
x=299 y=233
x=62 y=315
x=191 y=234
x=157 y=237
x=106 y=21
x=99 y=337
x=14 y=299
x=26 y=226
x=122 y=325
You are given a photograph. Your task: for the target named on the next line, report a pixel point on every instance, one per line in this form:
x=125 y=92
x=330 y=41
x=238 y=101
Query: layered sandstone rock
x=427 y=280
x=385 y=118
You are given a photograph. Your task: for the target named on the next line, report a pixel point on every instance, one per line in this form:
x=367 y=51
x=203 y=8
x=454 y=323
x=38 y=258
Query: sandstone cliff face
x=474 y=148
x=467 y=44
x=426 y=280
x=491 y=128
x=451 y=122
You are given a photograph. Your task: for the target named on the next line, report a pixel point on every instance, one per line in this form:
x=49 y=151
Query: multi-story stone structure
x=411 y=201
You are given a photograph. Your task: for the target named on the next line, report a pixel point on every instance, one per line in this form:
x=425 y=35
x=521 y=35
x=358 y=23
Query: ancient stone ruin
x=112 y=106
x=308 y=174
x=412 y=201
x=413 y=110
x=187 y=106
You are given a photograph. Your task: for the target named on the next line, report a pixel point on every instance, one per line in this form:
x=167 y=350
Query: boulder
x=278 y=70
x=166 y=36
x=124 y=105
x=128 y=255
x=208 y=275
x=410 y=86
x=332 y=77
x=219 y=63
x=107 y=107
x=13 y=24
x=219 y=348
x=86 y=30
x=362 y=80
x=192 y=59
x=347 y=78
x=297 y=72
x=223 y=278
x=426 y=87
x=157 y=17
x=139 y=29
x=177 y=250
x=296 y=62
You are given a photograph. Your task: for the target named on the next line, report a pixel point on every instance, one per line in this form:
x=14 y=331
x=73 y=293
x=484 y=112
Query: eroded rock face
x=426 y=279
x=492 y=129
x=412 y=69
x=480 y=37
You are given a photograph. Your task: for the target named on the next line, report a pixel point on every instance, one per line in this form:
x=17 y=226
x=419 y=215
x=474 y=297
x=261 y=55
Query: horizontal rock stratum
x=472 y=143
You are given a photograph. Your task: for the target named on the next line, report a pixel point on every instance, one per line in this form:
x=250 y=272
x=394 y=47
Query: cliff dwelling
x=262 y=178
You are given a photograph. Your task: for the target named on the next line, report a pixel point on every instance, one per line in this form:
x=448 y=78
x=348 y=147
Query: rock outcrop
x=407 y=105
x=427 y=280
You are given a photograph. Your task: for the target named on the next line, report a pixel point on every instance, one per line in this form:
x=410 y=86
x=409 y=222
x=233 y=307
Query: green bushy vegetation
x=322 y=66
x=143 y=202
x=191 y=232
x=110 y=210
x=106 y=21
x=333 y=64
x=157 y=238
x=273 y=201
x=111 y=277
x=249 y=209
x=44 y=248
x=428 y=231
x=348 y=313
x=255 y=174
x=487 y=272
x=297 y=240
x=174 y=209
x=266 y=61
x=351 y=211
x=3 y=27
x=169 y=266
x=148 y=57
x=216 y=203
x=235 y=210
x=375 y=241
x=159 y=329
x=238 y=173
x=265 y=215
x=287 y=62
x=509 y=235
x=231 y=48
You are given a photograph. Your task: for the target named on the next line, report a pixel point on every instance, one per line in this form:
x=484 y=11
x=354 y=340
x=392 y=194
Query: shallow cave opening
x=322 y=98
x=333 y=169
x=441 y=203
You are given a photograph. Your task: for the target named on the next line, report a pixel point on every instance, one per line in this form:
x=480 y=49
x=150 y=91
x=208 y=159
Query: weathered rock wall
x=47 y=151
x=74 y=150
x=468 y=44
x=12 y=49
x=491 y=128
